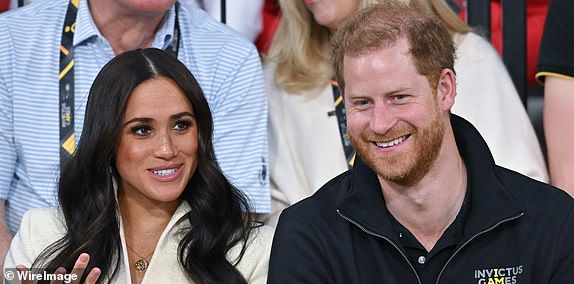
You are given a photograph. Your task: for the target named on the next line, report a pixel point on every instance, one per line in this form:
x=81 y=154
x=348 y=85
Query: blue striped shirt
x=227 y=68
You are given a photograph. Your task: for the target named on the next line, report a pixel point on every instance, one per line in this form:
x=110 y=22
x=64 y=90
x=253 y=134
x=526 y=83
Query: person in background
x=143 y=200
x=245 y=16
x=307 y=135
x=555 y=70
x=51 y=52
x=425 y=201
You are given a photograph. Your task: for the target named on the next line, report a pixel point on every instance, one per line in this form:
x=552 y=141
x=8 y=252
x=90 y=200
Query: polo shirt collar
x=86 y=28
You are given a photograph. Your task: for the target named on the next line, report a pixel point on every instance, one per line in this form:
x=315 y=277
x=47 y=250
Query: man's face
x=395 y=121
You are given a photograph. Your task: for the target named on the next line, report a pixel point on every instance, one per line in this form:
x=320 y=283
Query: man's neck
x=125 y=29
x=427 y=208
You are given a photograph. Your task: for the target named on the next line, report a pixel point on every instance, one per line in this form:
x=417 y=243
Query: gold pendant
x=141 y=265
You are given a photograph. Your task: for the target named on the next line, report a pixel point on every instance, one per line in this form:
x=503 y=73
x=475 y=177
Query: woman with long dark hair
x=143 y=200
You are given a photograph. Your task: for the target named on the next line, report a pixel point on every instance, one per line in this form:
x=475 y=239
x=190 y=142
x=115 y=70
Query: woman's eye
x=141 y=130
x=182 y=125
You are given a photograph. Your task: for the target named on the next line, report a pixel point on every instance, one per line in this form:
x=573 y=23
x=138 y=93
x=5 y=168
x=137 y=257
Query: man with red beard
x=425 y=202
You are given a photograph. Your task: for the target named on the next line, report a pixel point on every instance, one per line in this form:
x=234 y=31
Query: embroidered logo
x=502 y=275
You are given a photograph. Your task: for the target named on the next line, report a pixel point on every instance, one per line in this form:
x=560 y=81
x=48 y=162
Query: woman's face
x=157 y=153
x=332 y=13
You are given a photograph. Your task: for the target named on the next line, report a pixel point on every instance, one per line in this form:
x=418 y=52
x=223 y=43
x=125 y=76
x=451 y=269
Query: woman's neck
x=143 y=222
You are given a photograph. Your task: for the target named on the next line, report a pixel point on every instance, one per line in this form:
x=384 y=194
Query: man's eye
x=399 y=97
x=362 y=102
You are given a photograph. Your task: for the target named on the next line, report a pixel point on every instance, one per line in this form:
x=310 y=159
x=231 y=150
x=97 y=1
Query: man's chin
x=395 y=171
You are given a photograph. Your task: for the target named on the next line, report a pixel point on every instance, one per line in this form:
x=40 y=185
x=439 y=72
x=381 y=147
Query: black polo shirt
x=428 y=264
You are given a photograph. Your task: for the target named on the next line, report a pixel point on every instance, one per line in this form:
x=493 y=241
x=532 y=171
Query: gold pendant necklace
x=141 y=263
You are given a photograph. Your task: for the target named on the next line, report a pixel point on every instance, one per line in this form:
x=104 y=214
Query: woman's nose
x=165 y=148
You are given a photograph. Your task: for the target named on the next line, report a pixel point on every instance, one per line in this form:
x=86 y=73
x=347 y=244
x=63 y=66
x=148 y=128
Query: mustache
x=390 y=135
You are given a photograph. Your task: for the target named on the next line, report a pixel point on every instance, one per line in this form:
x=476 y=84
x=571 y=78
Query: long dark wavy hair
x=219 y=212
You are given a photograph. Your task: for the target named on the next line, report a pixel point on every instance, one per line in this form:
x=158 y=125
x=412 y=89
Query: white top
x=488 y=99
x=305 y=146
x=43 y=226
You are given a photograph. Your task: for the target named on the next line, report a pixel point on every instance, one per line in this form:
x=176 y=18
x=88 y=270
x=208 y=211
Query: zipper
x=472 y=238
x=384 y=238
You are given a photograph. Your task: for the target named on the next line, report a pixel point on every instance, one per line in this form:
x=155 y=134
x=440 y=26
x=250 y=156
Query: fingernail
x=84 y=257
